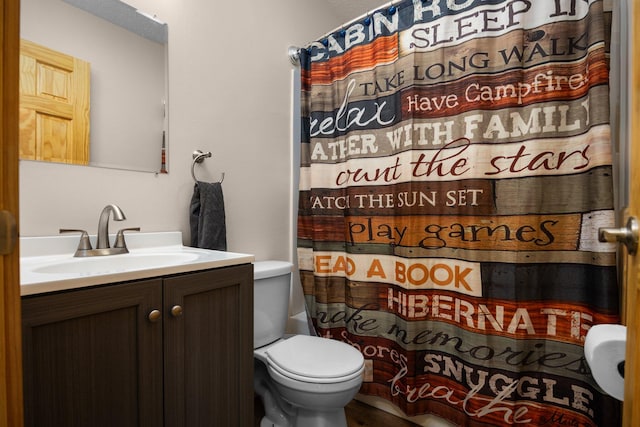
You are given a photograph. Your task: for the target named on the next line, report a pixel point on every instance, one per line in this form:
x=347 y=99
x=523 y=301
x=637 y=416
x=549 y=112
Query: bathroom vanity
x=174 y=348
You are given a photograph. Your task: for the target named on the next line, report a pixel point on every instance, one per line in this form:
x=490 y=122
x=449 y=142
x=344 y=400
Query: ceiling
x=126 y=16
x=120 y=13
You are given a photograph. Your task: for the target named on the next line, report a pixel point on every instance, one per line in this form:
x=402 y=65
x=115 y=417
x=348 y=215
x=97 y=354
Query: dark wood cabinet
x=103 y=357
x=208 y=349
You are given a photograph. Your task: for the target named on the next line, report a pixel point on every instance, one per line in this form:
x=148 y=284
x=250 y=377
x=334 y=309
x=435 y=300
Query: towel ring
x=198 y=157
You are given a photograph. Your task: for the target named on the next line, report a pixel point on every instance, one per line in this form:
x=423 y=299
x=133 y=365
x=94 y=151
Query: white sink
x=47 y=264
x=115 y=263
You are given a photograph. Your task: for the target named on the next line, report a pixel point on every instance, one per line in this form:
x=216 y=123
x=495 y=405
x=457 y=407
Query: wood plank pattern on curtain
x=455 y=168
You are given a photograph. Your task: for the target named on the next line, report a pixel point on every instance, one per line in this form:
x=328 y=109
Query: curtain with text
x=455 y=168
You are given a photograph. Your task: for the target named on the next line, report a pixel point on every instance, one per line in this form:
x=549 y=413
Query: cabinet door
x=209 y=348
x=93 y=358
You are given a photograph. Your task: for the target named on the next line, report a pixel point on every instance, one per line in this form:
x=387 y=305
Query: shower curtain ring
x=294 y=55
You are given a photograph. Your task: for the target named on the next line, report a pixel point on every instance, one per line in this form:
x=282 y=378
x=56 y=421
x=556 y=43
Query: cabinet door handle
x=176 y=311
x=155 y=315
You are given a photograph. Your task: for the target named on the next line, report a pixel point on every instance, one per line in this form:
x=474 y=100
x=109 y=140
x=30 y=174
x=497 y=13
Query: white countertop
x=44 y=261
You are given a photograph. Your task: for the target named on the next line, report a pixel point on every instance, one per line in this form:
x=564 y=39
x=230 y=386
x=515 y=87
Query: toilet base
x=281 y=413
x=266 y=422
x=335 y=418
x=310 y=419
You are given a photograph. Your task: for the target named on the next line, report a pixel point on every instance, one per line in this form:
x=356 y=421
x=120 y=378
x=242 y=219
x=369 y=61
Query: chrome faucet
x=103 y=224
x=102 y=242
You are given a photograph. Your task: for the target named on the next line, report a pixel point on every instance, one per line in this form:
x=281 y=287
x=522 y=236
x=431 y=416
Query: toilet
x=303 y=380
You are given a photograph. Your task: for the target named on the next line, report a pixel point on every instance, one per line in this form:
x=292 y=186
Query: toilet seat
x=315 y=360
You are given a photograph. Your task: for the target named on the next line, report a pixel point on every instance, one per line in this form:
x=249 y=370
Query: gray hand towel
x=206 y=217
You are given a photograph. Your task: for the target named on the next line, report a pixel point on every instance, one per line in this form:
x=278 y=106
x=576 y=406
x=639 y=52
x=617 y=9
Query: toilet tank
x=271 y=287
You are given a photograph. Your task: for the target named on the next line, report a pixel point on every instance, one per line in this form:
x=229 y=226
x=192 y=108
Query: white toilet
x=304 y=381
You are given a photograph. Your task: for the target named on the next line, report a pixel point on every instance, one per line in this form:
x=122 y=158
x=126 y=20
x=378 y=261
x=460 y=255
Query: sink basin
x=116 y=263
x=47 y=263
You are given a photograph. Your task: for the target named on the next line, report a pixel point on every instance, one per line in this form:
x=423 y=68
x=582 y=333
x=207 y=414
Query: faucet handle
x=120 y=243
x=85 y=243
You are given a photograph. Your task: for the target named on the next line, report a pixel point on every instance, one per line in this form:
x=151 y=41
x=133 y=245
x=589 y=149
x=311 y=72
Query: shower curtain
x=455 y=167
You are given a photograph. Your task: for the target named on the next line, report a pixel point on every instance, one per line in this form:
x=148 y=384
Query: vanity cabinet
x=170 y=351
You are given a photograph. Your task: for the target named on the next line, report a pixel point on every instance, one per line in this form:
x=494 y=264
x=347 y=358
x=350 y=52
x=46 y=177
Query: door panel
x=10 y=339
x=632 y=265
x=54 y=105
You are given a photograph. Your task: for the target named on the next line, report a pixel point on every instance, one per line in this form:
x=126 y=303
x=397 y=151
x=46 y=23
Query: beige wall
x=229 y=93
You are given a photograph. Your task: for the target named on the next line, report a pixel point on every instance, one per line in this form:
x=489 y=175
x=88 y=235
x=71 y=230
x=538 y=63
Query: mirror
x=127 y=53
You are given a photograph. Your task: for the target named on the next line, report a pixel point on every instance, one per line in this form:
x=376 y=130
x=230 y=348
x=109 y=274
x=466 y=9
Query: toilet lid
x=314 y=358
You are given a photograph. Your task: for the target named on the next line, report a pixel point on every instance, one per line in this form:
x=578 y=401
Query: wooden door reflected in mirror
x=54 y=105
